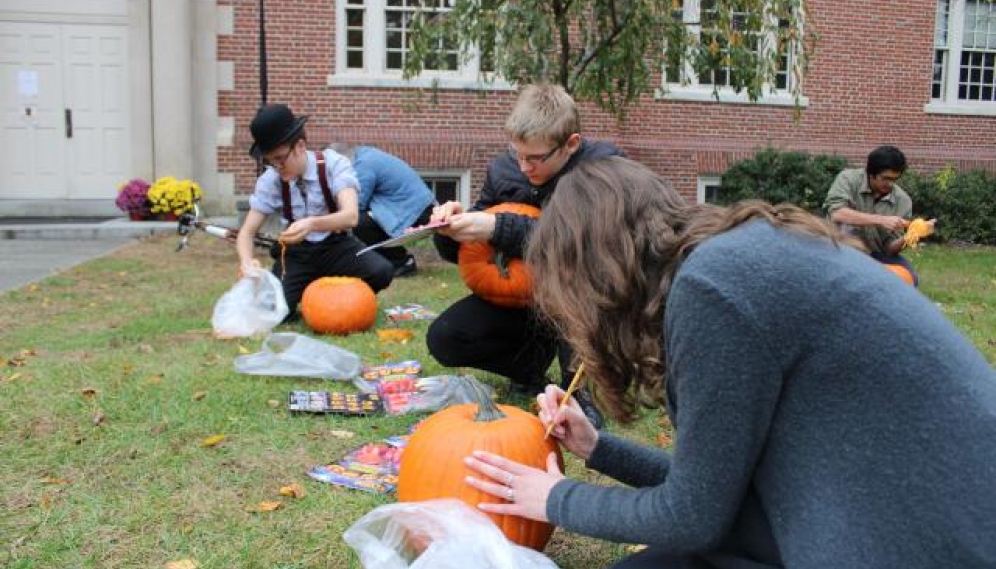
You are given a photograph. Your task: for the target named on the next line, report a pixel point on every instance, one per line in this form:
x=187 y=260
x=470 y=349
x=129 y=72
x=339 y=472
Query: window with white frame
x=965 y=53
x=708 y=189
x=701 y=18
x=373 y=40
x=448 y=186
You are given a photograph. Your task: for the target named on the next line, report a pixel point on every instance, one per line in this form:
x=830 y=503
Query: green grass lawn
x=111 y=379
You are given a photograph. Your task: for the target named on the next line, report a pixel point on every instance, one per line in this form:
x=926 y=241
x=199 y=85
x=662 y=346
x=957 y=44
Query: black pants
x=507 y=341
x=652 y=558
x=369 y=232
x=333 y=257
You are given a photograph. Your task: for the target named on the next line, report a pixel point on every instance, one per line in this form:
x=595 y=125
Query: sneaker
x=587 y=405
x=406 y=269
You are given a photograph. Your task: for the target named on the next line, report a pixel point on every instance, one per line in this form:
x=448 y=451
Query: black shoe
x=588 y=407
x=407 y=268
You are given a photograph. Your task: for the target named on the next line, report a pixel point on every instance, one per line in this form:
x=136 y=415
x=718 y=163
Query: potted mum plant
x=133 y=199
x=169 y=197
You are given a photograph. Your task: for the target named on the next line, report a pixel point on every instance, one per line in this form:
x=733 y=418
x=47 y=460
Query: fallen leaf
x=265 y=506
x=16 y=362
x=146 y=348
x=342 y=434
x=127 y=368
x=29 y=352
x=33 y=288
x=14 y=376
x=243 y=350
x=395 y=335
x=292 y=491
x=155 y=379
x=663 y=439
x=272 y=403
x=46 y=500
x=664 y=422
x=159 y=429
x=99 y=419
x=56 y=481
x=631 y=548
x=212 y=441
x=183 y=564
x=199 y=395
x=88 y=393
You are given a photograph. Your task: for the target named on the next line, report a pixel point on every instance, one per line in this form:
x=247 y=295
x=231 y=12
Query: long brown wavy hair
x=603 y=257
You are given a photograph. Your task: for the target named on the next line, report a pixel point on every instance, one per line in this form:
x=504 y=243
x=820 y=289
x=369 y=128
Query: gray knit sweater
x=827 y=415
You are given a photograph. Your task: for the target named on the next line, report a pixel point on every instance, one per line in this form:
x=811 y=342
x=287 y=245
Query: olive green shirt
x=851 y=190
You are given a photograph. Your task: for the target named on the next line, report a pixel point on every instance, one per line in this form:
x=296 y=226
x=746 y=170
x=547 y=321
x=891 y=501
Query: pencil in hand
x=575 y=382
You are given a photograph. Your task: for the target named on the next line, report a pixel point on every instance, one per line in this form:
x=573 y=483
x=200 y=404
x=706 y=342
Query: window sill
x=421 y=82
x=970 y=109
x=706 y=95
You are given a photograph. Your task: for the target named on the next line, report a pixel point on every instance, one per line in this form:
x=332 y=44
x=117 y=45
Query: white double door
x=64 y=115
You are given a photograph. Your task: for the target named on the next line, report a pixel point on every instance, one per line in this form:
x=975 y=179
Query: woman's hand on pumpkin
x=470 y=226
x=524 y=489
x=443 y=212
x=570 y=425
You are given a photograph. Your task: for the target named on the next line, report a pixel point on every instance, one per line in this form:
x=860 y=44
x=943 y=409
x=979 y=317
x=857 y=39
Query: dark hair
x=885 y=158
x=603 y=256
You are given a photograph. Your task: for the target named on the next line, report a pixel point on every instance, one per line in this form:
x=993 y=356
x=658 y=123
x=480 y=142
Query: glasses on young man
x=533 y=159
x=278 y=161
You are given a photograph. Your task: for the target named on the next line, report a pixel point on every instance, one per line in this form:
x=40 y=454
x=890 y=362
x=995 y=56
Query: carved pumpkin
x=432 y=464
x=492 y=276
x=339 y=305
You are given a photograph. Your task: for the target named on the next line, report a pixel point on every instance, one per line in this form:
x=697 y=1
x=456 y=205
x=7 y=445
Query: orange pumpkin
x=503 y=281
x=432 y=464
x=901 y=272
x=339 y=305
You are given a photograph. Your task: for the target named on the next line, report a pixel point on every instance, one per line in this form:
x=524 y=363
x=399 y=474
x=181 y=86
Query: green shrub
x=777 y=177
x=964 y=203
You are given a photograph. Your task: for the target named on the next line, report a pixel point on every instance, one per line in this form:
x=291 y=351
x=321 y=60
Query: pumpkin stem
x=499 y=260
x=487 y=410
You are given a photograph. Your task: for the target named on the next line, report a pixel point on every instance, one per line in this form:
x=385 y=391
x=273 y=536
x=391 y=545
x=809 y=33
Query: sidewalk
x=36 y=249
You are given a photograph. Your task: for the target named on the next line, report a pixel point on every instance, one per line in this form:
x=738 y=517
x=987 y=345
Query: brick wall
x=867 y=86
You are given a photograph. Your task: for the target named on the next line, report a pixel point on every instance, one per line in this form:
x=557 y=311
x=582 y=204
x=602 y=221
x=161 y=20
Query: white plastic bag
x=436 y=534
x=295 y=355
x=253 y=306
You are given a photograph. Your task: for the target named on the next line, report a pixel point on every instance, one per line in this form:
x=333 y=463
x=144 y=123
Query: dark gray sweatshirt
x=827 y=415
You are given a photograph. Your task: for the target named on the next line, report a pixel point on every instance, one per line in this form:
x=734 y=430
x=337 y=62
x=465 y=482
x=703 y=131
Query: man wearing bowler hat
x=316 y=194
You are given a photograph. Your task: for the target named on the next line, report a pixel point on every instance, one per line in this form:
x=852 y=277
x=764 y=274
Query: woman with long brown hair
x=826 y=414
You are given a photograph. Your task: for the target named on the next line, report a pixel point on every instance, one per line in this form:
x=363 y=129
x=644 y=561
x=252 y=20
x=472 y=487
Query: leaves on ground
x=212 y=441
x=293 y=490
x=183 y=564
x=265 y=506
x=395 y=335
x=199 y=395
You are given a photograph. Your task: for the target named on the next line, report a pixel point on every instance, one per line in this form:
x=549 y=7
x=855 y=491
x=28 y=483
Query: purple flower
x=132 y=197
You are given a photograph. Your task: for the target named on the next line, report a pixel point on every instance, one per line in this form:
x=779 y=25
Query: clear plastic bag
x=436 y=534
x=295 y=355
x=254 y=305
x=438 y=392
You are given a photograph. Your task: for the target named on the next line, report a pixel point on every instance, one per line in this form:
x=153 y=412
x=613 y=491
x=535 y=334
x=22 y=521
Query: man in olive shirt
x=867 y=203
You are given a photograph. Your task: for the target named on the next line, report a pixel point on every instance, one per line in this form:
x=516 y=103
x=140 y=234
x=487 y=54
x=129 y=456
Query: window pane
x=394 y=60
x=354 y=59
x=941 y=23
x=354 y=38
x=394 y=40
x=979 y=25
x=445 y=189
x=354 y=18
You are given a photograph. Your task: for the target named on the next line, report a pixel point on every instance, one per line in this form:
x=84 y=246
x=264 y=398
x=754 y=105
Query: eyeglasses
x=534 y=159
x=279 y=161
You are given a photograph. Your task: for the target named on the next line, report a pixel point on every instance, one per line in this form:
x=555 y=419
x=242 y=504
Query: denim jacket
x=392 y=192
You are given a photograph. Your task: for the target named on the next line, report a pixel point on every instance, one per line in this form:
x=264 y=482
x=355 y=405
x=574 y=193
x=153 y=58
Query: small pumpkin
x=493 y=276
x=432 y=465
x=902 y=273
x=339 y=305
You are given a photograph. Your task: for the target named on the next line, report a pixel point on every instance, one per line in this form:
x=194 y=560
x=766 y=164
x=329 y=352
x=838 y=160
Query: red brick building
x=870 y=82
x=179 y=82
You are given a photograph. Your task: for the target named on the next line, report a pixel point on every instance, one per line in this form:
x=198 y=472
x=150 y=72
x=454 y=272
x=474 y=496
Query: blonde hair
x=543 y=112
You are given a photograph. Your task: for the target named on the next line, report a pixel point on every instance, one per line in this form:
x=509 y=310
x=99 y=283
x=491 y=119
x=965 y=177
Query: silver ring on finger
x=511 y=479
x=510 y=494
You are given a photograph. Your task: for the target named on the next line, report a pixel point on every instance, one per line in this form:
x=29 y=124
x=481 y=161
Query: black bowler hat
x=274 y=125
